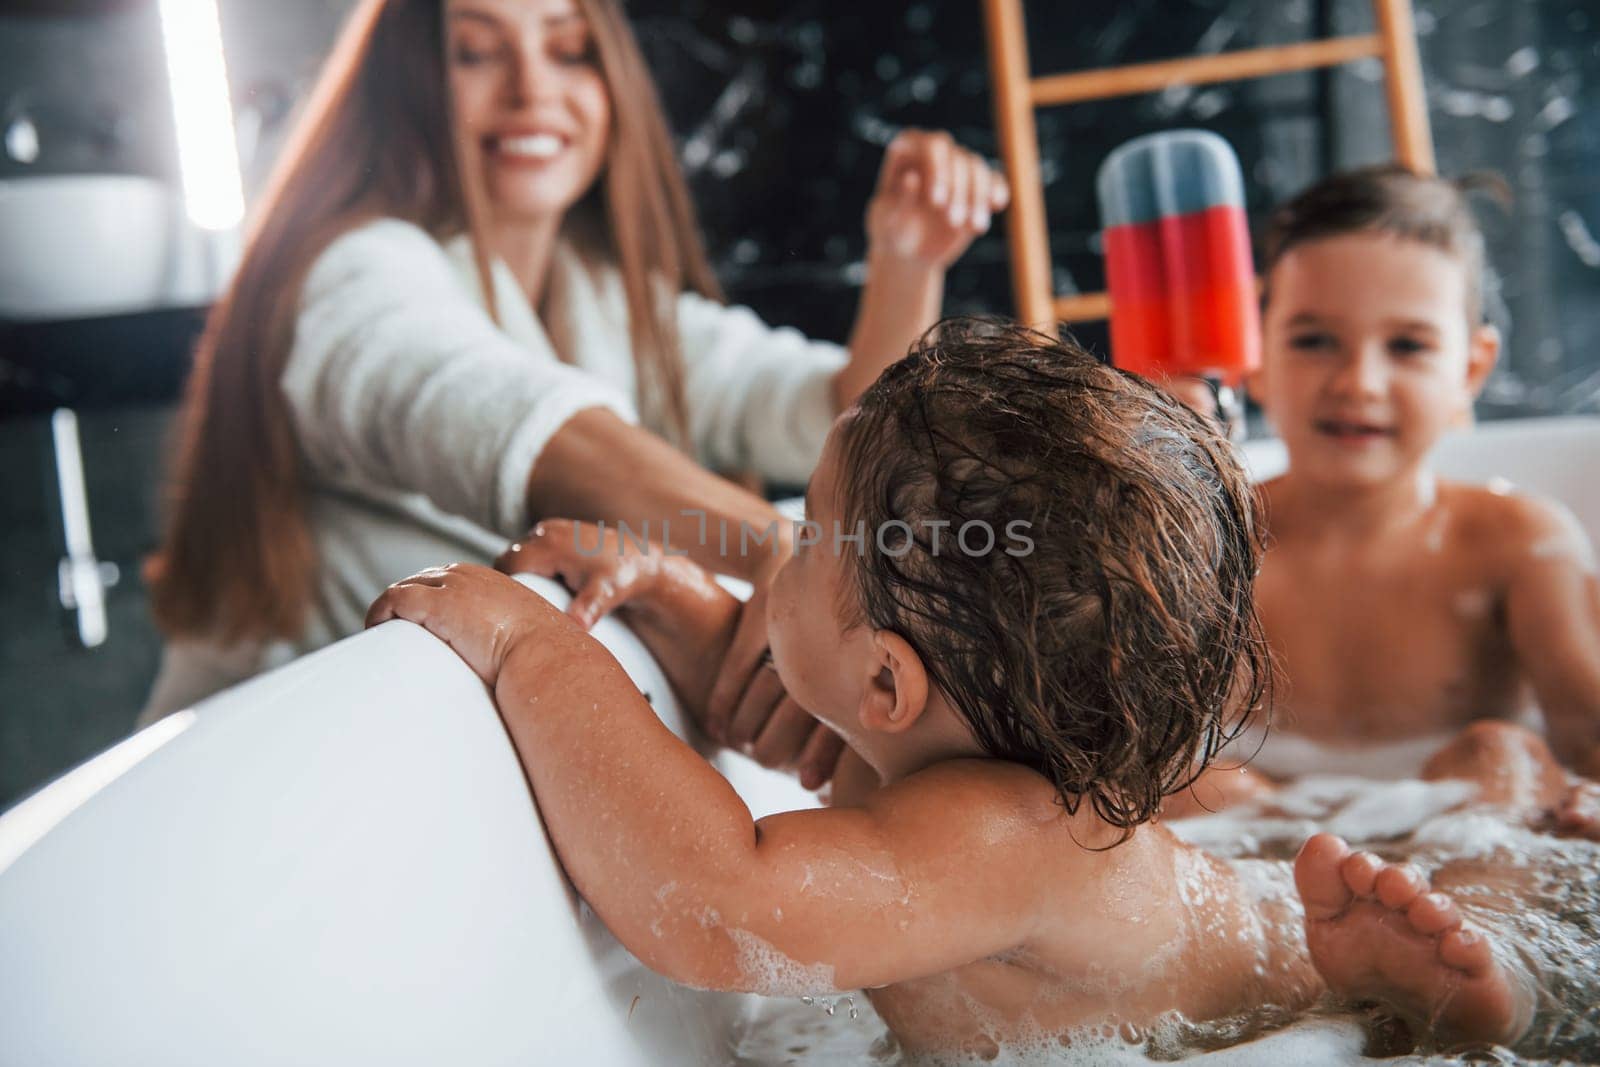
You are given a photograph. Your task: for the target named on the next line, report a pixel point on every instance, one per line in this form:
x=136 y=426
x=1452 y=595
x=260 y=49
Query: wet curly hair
x=1119 y=654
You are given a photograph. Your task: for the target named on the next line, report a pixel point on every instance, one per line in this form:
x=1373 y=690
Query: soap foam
x=771 y=973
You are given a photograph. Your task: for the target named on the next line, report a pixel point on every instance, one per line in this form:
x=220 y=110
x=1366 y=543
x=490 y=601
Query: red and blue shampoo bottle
x=1178 y=263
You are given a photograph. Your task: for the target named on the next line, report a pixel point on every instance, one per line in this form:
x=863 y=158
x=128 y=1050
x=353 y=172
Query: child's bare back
x=1113 y=936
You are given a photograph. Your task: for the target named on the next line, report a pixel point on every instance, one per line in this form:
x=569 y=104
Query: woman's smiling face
x=530 y=102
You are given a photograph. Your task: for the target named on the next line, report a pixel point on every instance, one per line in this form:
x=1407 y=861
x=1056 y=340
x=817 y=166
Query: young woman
x=475 y=296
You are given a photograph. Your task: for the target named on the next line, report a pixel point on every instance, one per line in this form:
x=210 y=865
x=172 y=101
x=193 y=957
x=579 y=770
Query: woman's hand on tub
x=712 y=648
x=933 y=199
x=602 y=570
x=673 y=605
x=481 y=614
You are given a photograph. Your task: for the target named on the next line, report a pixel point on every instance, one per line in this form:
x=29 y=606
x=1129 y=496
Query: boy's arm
x=1553 y=615
x=669 y=857
x=930 y=874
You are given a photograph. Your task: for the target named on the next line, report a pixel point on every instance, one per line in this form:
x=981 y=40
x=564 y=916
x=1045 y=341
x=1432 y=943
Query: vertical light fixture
x=208 y=154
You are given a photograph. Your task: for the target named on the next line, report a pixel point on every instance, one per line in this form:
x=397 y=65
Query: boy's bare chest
x=1385 y=646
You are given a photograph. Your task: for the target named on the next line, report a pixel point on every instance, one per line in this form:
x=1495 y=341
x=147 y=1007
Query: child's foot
x=1578 y=813
x=1377 y=932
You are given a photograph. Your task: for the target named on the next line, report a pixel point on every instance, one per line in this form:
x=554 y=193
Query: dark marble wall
x=1514 y=88
x=784 y=117
x=783 y=112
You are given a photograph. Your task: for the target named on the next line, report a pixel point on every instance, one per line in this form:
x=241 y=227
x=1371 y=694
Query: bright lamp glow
x=208 y=155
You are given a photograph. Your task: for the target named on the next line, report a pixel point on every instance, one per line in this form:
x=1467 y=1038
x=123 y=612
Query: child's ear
x=1482 y=354
x=897 y=693
x=1483 y=351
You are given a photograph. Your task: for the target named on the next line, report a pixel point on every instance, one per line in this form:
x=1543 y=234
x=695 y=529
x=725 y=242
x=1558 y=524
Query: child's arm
x=930 y=874
x=1553 y=616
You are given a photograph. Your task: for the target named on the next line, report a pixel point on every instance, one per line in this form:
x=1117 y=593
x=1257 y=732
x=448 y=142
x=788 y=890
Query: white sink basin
x=76 y=246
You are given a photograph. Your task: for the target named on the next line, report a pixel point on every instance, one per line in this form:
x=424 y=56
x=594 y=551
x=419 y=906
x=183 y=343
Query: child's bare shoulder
x=998 y=802
x=1512 y=527
x=978 y=782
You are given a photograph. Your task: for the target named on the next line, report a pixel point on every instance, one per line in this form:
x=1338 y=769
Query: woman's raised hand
x=603 y=570
x=933 y=198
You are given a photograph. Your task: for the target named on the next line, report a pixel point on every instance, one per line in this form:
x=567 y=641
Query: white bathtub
x=339 y=863
x=1557 y=458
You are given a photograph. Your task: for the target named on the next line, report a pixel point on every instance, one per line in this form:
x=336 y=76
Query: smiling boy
x=1404 y=607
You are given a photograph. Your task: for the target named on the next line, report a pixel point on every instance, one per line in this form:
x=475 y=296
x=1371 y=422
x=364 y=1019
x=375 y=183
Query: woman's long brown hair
x=238 y=561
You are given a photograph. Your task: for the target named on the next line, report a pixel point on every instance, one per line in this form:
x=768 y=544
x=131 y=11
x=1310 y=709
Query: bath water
x=1538 y=896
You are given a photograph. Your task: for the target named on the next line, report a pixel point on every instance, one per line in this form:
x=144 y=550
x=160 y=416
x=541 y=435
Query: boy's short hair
x=1390 y=199
x=1118 y=654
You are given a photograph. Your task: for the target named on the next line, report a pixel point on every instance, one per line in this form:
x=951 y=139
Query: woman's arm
x=933 y=199
x=598 y=467
x=399 y=380
x=899 y=303
x=762 y=398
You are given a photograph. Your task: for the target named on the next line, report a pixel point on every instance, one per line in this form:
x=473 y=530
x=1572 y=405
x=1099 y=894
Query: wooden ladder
x=1017 y=94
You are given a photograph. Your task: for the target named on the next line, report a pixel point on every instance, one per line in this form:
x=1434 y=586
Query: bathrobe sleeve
x=759 y=398
x=398 y=379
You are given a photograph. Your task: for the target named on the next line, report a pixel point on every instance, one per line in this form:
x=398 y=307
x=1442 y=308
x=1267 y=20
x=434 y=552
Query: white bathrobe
x=419 y=419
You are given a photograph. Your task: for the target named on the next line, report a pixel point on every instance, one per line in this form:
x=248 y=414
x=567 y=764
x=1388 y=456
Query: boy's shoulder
x=994 y=803
x=976 y=783
x=1512 y=526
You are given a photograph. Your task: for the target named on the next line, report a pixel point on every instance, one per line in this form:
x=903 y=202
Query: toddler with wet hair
x=1029 y=614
